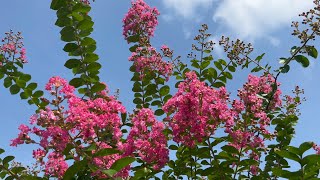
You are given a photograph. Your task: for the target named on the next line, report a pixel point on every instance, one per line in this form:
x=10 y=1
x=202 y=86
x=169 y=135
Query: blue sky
x=265 y=23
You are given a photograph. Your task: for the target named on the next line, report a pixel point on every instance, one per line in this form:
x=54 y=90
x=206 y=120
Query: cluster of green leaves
x=17 y=81
x=301 y=59
x=77 y=26
x=309 y=164
x=149 y=87
x=83 y=169
x=9 y=172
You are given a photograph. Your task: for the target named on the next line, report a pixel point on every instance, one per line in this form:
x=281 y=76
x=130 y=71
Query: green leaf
x=205 y=64
x=94 y=67
x=109 y=172
x=121 y=163
x=302 y=60
x=133 y=48
x=25 y=77
x=7 y=82
x=134 y=38
x=21 y=83
x=1 y=75
x=76 y=82
x=37 y=94
x=91 y=58
x=137 y=101
x=208 y=51
x=288 y=155
x=304 y=147
x=80 y=7
x=137 y=87
x=230 y=149
x=72 y=63
x=232 y=68
x=285 y=68
x=106 y=152
x=218 y=65
x=85 y=24
x=218 y=84
x=195 y=64
x=74 y=169
x=68 y=34
x=312 y=51
x=159 y=112
x=260 y=57
x=70 y=47
x=57 y=4
x=151 y=89
x=311 y=159
x=24 y=95
x=2 y=151
x=87 y=41
x=227 y=75
x=164 y=90
x=7 y=159
x=14 y=89
x=17 y=170
x=173 y=147
x=32 y=86
x=212 y=72
x=98 y=87
x=63 y=21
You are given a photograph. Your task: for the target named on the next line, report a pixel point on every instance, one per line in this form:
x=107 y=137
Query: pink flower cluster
x=147 y=140
x=251 y=129
x=198 y=110
x=12 y=49
x=84 y=121
x=148 y=59
x=141 y=20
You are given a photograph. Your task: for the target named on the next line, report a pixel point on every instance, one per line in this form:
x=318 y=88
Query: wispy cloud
x=188 y=9
x=259 y=18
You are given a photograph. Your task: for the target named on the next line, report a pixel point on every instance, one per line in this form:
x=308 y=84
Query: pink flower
x=197 y=110
x=146 y=139
x=56 y=165
x=149 y=60
x=141 y=20
x=56 y=82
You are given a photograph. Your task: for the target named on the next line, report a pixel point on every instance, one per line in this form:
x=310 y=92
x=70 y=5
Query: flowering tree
x=83 y=132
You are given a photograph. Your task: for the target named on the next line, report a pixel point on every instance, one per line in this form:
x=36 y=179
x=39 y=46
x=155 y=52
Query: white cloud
x=187 y=8
x=253 y=19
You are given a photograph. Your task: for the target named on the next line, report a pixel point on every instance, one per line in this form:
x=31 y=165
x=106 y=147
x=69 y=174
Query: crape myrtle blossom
x=197 y=111
x=147 y=140
x=147 y=59
x=83 y=120
x=12 y=49
x=251 y=127
x=140 y=20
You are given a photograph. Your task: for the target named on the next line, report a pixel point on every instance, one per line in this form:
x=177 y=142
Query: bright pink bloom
x=146 y=139
x=56 y=165
x=149 y=60
x=57 y=82
x=198 y=110
x=12 y=47
x=141 y=20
